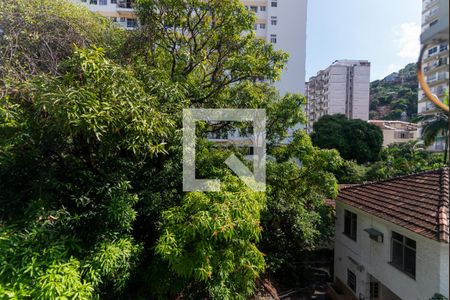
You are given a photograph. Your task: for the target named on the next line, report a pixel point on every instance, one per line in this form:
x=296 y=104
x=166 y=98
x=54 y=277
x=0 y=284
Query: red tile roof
x=418 y=202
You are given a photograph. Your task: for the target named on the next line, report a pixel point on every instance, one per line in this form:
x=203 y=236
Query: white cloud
x=408 y=35
x=392 y=68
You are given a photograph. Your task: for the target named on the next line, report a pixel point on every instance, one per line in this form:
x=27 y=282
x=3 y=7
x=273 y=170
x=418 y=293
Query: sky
x=385 y=32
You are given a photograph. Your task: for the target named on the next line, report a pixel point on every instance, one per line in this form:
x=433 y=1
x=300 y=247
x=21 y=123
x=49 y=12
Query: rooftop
x=418 y=202
x=394 y=125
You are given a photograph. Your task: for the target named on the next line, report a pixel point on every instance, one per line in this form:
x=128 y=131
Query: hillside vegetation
x=395 y=96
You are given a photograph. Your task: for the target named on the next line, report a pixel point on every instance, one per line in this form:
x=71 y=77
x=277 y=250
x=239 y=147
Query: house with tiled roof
x=392 y=238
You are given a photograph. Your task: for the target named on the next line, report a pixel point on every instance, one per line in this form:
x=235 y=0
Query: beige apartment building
x=342 y=88
x=396 y=131
x=435 y=62
x=280 y=22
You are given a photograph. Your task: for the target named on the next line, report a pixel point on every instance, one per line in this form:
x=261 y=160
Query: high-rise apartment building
x=342 y=88
x=435 y=62
x=281 y=22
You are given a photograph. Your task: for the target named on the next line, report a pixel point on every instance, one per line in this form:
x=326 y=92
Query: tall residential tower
x=435 y=61
x=281 y=22
x=342 y=88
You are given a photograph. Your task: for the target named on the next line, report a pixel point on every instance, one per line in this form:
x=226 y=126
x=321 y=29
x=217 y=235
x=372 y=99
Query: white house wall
x=431 y=259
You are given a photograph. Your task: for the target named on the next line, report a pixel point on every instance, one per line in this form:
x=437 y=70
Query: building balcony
x=124 y=4
x=430 y=3
x=440 y=64
x=435 y=80
x=125 y=8
x=429 y=17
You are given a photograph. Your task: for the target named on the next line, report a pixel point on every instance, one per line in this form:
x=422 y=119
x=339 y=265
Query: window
x=122 y=19
x=403 y=254
x=251 y=151
x=255 y=26
x=254 y=8
x=432 y=51
x=273 y=20
x=262 y=26
x=374 y=290
x=350 y=224
x=443 y=47
x=113 y=1
x=273 y=38
x=103 y=2
x=274 y=4
x=93 y=2
x=351 y=280
x=131 y=23
x=114 y=19
x=262 y=8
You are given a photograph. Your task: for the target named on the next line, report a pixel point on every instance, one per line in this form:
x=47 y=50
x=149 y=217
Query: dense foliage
x=395 y=160
x=395 y=96
x=37 y=35
x=354 y=139
x=90 y=156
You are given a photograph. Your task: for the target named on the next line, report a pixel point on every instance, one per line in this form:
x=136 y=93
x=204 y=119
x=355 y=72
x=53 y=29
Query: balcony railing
x=430 y=3
x=436 y=64
x=125 y=4
x=430 y=16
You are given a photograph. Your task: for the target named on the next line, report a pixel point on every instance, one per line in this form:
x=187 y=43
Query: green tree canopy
x=38 y=35
x=91 y=160
x=354 y=139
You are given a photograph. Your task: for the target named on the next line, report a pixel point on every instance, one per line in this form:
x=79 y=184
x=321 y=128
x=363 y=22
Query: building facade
x=119 y=11
x=392 y=239
x=280 y=22
x=342 y=88
x=435 y=62
x=396 y=131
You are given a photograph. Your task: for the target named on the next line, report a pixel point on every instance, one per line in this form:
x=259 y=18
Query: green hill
x=395 y=96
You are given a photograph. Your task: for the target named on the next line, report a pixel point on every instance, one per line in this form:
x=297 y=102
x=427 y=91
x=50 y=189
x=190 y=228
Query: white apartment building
x=120 y=11
x=281 y=22
x=392 y=239
x=435 y=62
x=342 y=88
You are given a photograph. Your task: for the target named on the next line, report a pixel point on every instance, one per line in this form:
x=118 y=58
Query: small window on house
x=351 y=280
x=103 y=2
x=254 y=8
x=443 y=47
x=114 y=19
x=403 y=254
x=122 y=19
x=273 y=38
x=274 y=4
x=93 y=2
x=374 y=290
x=113 y=1
x=350 y=224
x=262 y=8
x=262 y=26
